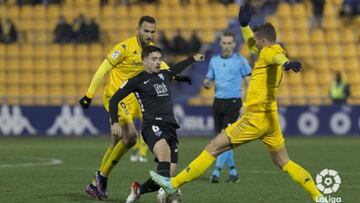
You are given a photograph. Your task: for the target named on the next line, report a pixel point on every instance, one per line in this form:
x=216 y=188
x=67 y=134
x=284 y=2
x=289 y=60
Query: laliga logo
x=330 y=178
x=328 y=181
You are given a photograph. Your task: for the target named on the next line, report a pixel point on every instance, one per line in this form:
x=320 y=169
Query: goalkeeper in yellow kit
x=260 y=120
x=123 y=62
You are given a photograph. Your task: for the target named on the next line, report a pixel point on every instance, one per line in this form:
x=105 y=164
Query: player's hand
x=183 y=78
x=85 y=102
x=116 y=129
x=293 y=65
x=199 y=57
x=245 y=14
x=206 y=83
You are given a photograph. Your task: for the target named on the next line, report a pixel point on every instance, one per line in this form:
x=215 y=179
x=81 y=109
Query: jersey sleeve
x=117 y=54
x=245 y=68
x=104 y=68
x=127 y=87
x=280 y=59
x=179 y=67
x=210 y=74
x=249 y=39
x=272 y=56
x=164 y=66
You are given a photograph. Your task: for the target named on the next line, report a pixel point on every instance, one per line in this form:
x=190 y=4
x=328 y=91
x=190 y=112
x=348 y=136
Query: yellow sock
x=119 y=150
x=194 y=170
x=103 y=161
x=106 y=156
x=137 y=145
x=142 y=147
x=301 y=176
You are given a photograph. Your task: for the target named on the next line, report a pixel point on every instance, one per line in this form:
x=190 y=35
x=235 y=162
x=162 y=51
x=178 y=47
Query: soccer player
x=152 y=89
x=227 y=72
x=260 y=120
x=123 y=62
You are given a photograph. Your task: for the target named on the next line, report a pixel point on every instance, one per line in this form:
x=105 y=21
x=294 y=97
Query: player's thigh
x=246 y=129
x=162 y=150
x=273 y=138
x=153 y=133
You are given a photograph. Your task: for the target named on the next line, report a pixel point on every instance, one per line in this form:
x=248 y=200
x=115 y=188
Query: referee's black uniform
x=225 y=112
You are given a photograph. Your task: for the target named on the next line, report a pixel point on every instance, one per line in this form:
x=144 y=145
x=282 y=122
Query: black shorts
x=152 y=132
x=226 y=112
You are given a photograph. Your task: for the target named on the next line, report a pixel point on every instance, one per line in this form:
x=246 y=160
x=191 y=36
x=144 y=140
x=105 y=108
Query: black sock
x=150 y=186
x=163 y=168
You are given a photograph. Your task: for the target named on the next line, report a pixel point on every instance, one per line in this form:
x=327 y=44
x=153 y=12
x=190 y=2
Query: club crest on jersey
x=115 y=54
x=161 y=76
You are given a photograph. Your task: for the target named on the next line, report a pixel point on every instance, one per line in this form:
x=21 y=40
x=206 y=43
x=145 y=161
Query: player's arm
x=282 y=60
x=114 y=57
x=104 y=68
x=210 y=76
x=244 y=16
x=179 y=67
x=127 y=87
x=178 y=77
x=249 y=39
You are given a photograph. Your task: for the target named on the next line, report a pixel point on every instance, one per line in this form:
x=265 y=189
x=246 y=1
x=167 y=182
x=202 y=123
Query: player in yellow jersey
x=260 y=120
x=123 y=62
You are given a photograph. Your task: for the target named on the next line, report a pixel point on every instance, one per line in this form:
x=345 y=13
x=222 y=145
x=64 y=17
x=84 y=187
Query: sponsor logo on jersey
x=115 y=54
x=161 y=90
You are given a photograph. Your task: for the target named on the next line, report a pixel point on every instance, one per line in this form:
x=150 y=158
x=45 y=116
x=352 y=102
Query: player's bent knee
x=218 y=145
x=212 y=148
x=129 y=141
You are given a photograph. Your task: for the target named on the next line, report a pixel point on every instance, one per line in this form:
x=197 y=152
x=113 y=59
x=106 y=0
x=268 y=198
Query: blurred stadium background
x=42 y=77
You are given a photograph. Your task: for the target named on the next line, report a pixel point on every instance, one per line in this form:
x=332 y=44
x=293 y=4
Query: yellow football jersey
x=265 y=78
x=125 y=58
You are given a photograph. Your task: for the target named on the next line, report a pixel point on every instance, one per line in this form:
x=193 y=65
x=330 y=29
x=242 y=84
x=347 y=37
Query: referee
x=226 y=71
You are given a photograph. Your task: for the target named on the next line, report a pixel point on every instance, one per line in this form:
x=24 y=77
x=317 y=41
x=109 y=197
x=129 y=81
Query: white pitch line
x=46 y=162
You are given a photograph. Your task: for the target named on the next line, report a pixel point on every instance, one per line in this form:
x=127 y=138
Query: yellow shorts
x=129 y=108
x=262 y=125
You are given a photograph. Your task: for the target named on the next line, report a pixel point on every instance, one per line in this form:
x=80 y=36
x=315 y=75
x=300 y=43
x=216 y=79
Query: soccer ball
x=165 y=198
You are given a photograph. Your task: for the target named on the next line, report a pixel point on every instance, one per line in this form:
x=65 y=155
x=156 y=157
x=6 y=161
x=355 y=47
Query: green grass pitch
x=24 y=178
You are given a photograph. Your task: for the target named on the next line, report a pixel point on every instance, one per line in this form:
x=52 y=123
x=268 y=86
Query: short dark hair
x=228 y=34
x=148 y=19
x=267 y=31
x=148 y=50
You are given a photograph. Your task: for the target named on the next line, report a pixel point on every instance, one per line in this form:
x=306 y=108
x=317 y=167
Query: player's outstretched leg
x=197 y=167
x=296 y=172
